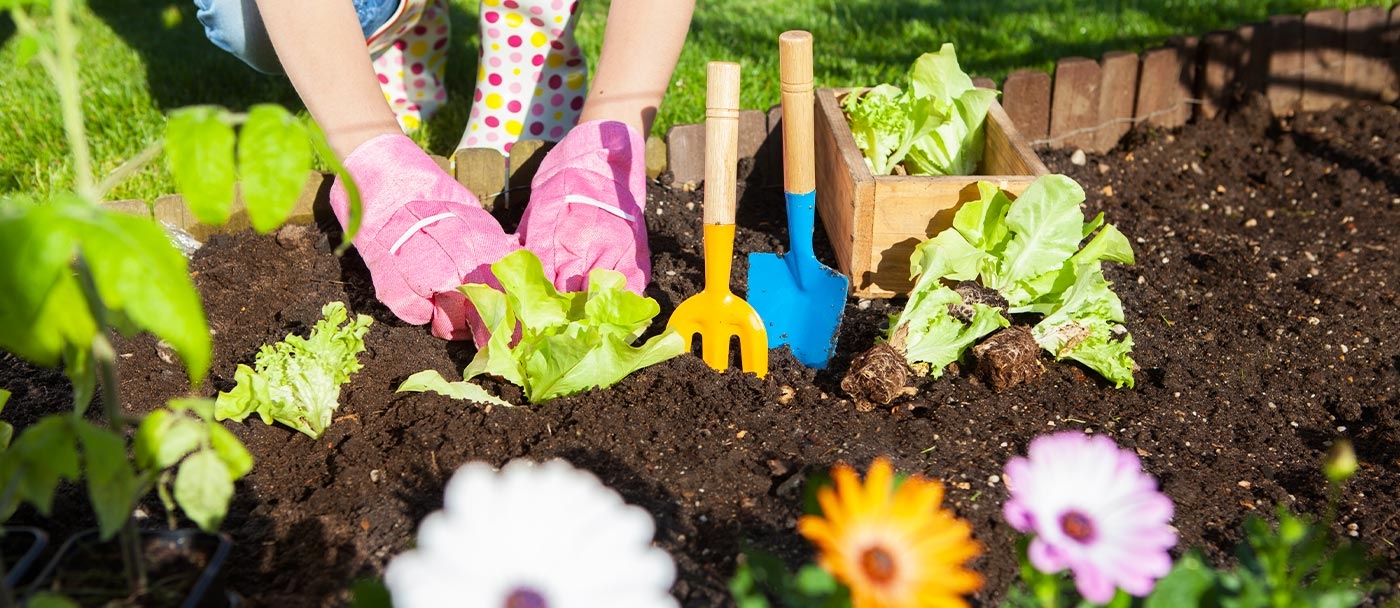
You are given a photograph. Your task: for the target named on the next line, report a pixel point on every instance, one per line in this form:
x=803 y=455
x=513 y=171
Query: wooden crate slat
x=685 y=153
x=1366 y=71
x=1222 y=65
x=874 y=222
x=1285 y=88
x=1026 y=96
x=1117 y=93
x=1074 y=104
x=1324 y=55
x=845 y=199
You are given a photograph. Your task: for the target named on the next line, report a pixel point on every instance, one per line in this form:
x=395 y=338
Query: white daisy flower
x=532 y=536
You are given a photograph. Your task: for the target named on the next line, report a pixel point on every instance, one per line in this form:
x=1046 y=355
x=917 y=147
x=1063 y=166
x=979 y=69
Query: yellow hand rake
x=716 y=314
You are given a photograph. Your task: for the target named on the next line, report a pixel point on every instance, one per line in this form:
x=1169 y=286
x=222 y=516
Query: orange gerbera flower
x=893 y=547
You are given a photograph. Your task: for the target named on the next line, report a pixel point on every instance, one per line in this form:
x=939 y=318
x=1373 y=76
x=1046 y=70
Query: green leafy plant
x=1297 y=562
x=7 y=430
x=209 y=459
x=297 y=381
x=73 y=271
x=760 y=576
x=934 y=127
x=1029 y=252
x=568 y=342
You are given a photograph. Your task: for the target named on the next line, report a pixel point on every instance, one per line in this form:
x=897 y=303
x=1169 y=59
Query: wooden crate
x=874 y=223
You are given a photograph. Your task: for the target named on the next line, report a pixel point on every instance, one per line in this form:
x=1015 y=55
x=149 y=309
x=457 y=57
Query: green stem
x=1334 y=496
x=69 y=84
x=1046 y=589
x=105 y=358
x=129 y=168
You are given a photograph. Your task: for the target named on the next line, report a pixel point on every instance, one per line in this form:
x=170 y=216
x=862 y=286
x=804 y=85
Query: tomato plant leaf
x=7 y=430
x=199 y=406
x=164 y=437
x=49 y=600
x=26 y=48
x=112 y=485
x=43 y=454
x=274 y=162
x=203 y=489
x=142 y=276
x=42 y=309
x=230 y=450
x=199 y=143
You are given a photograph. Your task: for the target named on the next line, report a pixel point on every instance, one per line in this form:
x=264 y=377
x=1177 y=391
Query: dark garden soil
x=1263 y=307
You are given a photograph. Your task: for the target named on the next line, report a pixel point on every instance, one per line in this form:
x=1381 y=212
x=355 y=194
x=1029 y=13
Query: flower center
x=1078 y=526
x=878 y=564
x=525 y=597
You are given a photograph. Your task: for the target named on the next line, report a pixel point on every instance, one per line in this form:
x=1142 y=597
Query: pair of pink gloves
x=585 y=212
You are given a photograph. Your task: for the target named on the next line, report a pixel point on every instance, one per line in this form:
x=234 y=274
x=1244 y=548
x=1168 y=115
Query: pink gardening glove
x=421 y=235
x=585 y=208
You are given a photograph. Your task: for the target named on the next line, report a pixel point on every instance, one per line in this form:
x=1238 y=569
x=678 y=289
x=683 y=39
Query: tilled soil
x=1262 y=306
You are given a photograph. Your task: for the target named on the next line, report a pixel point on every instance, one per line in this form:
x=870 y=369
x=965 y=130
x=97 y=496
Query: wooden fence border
x=1318 y=60
x=1315 y=61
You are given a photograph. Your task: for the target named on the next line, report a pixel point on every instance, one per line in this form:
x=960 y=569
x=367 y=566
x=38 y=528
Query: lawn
x=142 y=59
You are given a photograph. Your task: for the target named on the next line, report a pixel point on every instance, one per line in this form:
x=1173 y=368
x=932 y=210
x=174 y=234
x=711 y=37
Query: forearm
x=641 y=44
x=322 y=49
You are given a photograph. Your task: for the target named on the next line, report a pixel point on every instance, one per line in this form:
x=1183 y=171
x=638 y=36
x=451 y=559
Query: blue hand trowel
x=799 y=298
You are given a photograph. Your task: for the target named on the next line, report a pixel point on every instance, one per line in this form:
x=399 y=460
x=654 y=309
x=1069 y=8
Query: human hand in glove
x=586 y=203
x=422 y=234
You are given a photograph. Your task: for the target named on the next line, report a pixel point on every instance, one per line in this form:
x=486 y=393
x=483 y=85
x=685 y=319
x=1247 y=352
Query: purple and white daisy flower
x=532 y=536
x=1093 y=510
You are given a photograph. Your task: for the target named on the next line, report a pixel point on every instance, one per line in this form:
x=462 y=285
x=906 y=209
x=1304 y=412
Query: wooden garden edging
x=1305 y=62
x=1300 y=62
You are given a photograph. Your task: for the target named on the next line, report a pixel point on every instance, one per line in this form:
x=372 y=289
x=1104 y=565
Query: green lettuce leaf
x=297 y=381
x=567 y=342
x=935 y=127
x=931 y=335
x=1029 y=251
x=431 y=380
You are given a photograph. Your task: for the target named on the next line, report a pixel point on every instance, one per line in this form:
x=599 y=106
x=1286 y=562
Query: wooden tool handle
x=795 y=72
x=721 y=141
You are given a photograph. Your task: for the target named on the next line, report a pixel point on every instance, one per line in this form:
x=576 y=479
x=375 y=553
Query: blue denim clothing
x=236 y=26
x=374 y=13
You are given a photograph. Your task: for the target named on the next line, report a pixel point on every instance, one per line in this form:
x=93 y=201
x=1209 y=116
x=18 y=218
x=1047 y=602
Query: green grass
x=142 y=59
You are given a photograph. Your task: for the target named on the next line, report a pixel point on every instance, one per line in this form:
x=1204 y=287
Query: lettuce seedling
x=934 y=127
x=297 y=381
x=1029 y=252
x=568 y=342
